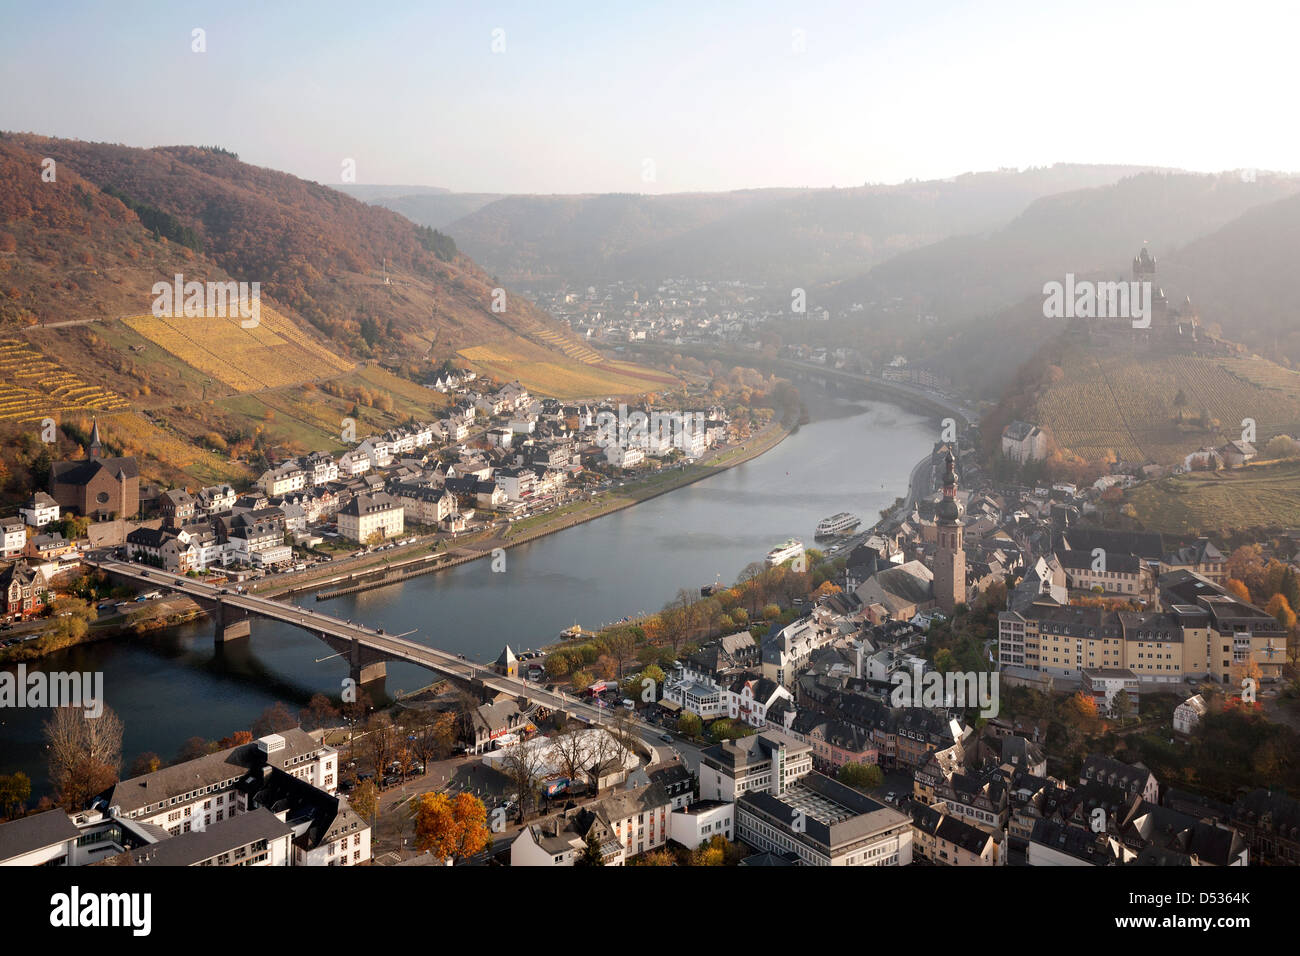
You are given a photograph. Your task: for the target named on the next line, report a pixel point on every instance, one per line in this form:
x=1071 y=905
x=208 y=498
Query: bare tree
x=379 y=744
x=85 y=754
x=523 y=766
x=571 y=747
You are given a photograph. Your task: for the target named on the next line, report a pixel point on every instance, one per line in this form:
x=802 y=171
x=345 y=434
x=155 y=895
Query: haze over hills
x=1082 y=231
x=786 y=235
x=972 y=306
x=429 y=206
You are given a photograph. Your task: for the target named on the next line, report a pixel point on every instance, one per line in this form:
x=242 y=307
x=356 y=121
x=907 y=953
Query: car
x=666 y=738
x=891 y=797
x=391 y=780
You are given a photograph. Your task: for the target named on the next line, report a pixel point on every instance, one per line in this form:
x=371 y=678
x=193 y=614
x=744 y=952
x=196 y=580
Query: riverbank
x=384 y=572
x=168 y=613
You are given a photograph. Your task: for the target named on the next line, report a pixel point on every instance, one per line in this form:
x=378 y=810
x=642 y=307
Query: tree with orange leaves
x=447 y=827
x=1238 y=590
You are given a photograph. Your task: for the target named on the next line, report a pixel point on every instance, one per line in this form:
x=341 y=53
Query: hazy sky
x=598 y=96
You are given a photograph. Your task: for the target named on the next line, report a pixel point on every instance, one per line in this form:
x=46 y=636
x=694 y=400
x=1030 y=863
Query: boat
x=837 y=524
x=784 y=552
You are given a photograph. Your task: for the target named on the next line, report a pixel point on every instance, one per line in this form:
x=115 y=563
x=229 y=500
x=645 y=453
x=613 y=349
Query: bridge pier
x=228 y=627
x=368 y=673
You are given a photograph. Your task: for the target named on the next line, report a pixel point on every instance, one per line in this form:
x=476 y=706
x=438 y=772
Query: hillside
x=437 y=210
x=1121 y=398
x=344 y=285
x=1223 y=502
x=972 y=306
x=1083 y=231
x=1240 y=277
x=782 y=235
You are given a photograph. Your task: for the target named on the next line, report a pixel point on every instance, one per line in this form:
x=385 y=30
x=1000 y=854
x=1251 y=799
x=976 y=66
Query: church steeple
x=96 y=448
x=950 y=556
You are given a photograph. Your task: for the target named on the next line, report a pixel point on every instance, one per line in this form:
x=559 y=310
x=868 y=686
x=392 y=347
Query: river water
x=853 y=456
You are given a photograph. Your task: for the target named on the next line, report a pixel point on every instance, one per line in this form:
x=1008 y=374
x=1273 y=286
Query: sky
x=615 y=96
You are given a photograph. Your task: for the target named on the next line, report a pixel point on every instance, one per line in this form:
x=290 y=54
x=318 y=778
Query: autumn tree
x=147 y=762
x=274 y=719
x=15 y=791
x=1280 y=609
x=471 y=832
x=1237 y=589
x=451 y=828
x=379 y=743
x=861 y=776
x=85 y=754
x=365 y=800
x=318 y=712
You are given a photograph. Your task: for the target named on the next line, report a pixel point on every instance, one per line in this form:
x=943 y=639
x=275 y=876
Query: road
x=391 y=646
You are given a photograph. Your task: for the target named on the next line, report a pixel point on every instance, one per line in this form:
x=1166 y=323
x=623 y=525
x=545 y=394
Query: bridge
x=366 y=650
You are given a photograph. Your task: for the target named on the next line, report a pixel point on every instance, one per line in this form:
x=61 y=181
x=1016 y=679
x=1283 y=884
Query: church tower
x=96 y=448
x=950 y=558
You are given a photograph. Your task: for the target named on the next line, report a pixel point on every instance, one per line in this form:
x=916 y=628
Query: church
x=96 y=487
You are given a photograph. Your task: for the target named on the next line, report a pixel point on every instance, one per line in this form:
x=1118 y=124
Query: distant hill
x=799 y=236
x=1241 y=277
x=1095 y=230
x=972 y=306
x=435 y=210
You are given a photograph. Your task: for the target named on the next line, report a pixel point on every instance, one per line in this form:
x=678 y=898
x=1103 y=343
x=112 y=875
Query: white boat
x=784 y=552
x=837 y=524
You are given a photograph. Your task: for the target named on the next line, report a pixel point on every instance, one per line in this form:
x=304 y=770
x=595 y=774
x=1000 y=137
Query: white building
x=40 y=510
x=1188 y=714
x=367 y=515
x=1022 y=442
x=282 y=479
x=353 y=463
x=15 y=536
x=621 y=457
x=701 y=821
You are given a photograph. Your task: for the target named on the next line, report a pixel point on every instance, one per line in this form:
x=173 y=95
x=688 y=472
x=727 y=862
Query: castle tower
x=1144 y=270
x=1144 y=267
x=950 y=558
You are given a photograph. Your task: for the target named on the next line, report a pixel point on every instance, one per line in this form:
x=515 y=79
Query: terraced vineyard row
x=32 y=387
x=555 y=338
x=271 y=354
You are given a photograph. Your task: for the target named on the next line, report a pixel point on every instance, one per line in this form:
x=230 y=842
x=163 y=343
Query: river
x=853 y=456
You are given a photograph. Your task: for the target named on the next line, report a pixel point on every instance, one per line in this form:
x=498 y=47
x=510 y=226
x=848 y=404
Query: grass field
x=1125 y=402
x=1201 y=502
